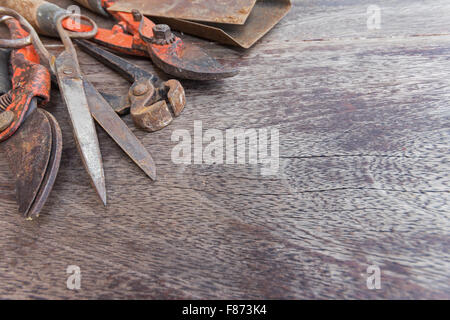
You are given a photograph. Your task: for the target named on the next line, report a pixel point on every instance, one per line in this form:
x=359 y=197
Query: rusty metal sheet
x=264 y=16
x=217 y=11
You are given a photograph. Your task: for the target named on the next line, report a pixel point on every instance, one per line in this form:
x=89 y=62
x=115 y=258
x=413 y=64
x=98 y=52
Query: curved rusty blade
x=107 y=118
x=188 y=61
x=28 y=152
x=52 y=168
x=72 y=90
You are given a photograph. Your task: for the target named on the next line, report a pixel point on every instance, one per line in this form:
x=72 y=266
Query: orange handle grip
x=29 y=80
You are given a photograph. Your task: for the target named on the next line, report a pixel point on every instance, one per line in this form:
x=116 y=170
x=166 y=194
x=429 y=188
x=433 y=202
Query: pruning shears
x=30 y=137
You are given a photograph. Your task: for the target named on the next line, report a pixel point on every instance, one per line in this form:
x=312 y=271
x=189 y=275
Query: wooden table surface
x=363 y=119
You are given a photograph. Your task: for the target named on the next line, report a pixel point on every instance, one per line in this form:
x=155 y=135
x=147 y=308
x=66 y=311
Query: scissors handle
x=16 y=43
x=32 y=37
x=66 y=35
x=46 y=58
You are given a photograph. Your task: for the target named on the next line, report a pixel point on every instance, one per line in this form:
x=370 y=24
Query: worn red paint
x=175 y=57
x=29 y=80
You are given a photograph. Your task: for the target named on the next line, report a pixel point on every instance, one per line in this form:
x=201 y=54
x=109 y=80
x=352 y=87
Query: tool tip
x=151 y=172
x=100 y=187
x=103 y=198
x=148 y=166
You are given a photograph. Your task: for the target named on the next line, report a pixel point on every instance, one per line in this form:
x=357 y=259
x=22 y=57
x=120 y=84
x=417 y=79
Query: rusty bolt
x=162 y=32
x=140 y=89
x=137 y=16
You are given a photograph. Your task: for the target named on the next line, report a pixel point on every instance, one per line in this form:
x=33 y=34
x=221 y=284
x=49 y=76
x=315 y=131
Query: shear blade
x=85 y=135
x=52 y=168
x=188 y=61
x=107 y=118
x=28 y=152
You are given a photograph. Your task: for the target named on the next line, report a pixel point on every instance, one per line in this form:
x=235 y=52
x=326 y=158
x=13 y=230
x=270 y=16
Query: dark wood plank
x=363 y=179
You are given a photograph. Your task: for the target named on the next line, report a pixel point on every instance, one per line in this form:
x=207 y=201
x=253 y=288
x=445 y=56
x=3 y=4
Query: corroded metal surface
x=28 y=152
x=148 y=117
x=264 y=16
x=218 y=11
x=175 y=96
x=134 y=34
x=118 y=130
x=146 y=93
x=72 y=90
x=52 y=168
x=34 y=146
x=188 y=61
x=27 y=8
x=29 y=80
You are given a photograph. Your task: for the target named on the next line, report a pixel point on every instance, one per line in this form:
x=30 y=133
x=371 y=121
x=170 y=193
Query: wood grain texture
x=364 y=125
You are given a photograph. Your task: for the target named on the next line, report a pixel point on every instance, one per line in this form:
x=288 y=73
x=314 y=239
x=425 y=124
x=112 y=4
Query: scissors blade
x=107 y=118
x=72 y=90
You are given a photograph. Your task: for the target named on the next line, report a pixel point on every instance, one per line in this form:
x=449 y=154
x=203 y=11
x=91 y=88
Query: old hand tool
x=136 y=35
x=100 y=110
x=234 y=22
x=66 y=70
x=30 y=137
x=149 y=97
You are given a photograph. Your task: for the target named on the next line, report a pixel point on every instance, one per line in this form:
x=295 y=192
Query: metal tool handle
x=42 y=15
x=66 y=36
x=47 y=58
x=6 y=14
x=13 y=43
